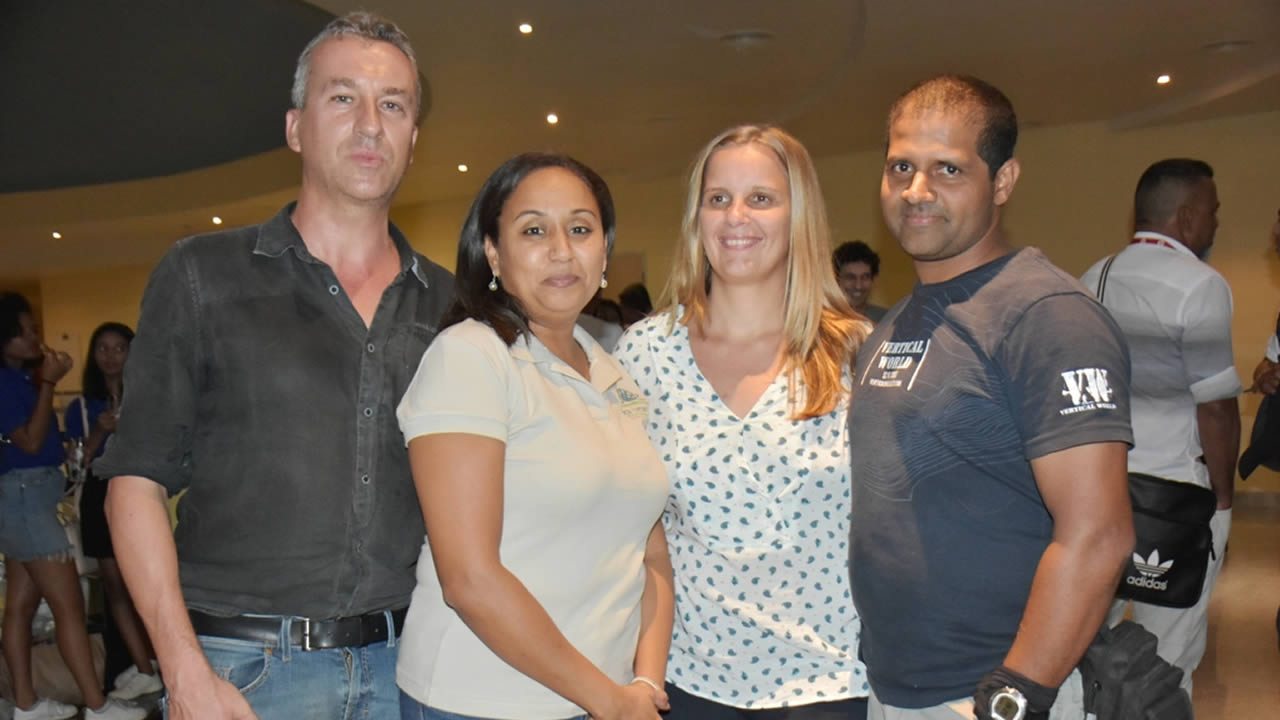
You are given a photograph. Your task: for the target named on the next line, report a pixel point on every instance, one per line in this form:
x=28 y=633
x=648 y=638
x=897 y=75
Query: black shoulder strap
x=1102 y=282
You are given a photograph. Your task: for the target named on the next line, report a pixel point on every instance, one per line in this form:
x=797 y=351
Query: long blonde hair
x=820 y=331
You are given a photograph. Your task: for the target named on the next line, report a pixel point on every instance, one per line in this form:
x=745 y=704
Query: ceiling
x=194 y=92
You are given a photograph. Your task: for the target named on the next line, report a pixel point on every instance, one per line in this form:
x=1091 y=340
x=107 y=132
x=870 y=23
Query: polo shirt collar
x=604 y=371
x=279 y=234
x=1172 y=243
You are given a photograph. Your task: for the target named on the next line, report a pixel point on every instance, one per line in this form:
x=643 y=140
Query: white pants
x=1068 y=706
x=1182 y=632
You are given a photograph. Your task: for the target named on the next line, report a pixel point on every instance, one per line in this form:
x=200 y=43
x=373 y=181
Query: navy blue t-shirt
x=17 y=401
x=954 y=393
x=74 y=419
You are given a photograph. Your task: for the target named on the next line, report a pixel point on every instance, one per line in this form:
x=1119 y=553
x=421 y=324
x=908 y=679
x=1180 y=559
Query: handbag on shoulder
x=1174 y=543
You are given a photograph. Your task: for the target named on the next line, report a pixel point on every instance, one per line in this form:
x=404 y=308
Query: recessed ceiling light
x=217 y=220
x=1163 y=80
x=552 y=118
x=463 y=168
x=525 y=29
x=57 y=235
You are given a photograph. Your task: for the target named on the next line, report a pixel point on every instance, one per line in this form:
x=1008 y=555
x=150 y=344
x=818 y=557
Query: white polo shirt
x=582 y=488
x=1175 y=312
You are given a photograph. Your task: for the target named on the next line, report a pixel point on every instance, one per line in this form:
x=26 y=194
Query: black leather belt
x=304 y=633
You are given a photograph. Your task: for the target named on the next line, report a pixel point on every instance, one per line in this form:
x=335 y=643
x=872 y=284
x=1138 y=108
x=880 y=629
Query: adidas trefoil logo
x=1149 y=570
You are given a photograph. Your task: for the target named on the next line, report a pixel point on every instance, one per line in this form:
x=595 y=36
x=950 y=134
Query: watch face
x=1008 y=705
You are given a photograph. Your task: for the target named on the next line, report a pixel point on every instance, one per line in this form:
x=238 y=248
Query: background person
x=37 y=554
x=91 y=419
x=857 y=266
x=1175 y=311
x=544 y=587
x=748 y=386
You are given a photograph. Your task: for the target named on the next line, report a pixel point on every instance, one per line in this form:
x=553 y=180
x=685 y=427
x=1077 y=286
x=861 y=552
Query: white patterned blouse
x=758 y=528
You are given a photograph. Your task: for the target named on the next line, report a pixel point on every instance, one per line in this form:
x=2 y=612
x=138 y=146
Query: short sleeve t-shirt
x=17 y=402
x=75 y=418
x=582 y=490
x=954 y=393
x=757 y=526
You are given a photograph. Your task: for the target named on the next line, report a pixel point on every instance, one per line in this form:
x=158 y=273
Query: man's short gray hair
x=359 y=24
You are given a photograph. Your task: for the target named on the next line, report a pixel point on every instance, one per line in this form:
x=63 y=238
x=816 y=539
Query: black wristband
x=1039 y=698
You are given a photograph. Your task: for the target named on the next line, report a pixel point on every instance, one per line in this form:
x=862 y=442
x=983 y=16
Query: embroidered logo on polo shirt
x=631 y=404
x=1087 y=389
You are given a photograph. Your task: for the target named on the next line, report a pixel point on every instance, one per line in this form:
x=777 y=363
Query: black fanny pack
x=1174 y=542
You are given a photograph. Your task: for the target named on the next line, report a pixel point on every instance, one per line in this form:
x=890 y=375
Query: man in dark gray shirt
x=989 y=424
x=264 y=379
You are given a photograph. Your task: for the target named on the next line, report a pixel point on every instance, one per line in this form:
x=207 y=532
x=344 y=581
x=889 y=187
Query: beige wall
x=1073 y=201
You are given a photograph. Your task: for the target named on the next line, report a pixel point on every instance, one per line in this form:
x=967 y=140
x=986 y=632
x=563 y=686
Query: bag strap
x=84 y=415
x=1102 y=279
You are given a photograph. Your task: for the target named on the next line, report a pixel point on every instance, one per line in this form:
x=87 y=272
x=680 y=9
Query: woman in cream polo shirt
x=544 y=586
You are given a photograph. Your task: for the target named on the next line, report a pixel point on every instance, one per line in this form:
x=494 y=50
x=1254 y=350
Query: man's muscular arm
x=1085 y=489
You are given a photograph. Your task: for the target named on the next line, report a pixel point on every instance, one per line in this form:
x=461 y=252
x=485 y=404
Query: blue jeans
x=285 y=683
x=411 y=709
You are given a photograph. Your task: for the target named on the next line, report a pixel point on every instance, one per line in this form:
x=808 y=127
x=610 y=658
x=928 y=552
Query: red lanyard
x=1152 y=241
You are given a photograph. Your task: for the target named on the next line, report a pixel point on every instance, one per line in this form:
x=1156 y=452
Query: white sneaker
x=135 y=685
x=45 y=709
x=128 y=674
x=116 y=709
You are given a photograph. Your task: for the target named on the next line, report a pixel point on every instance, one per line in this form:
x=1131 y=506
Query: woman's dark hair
x=12 y=306
x=475 y=300
x=94 y=383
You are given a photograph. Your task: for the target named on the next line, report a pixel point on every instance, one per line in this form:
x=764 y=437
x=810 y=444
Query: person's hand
x=659 y=697
x=54 y=365
x=208 y=698
x=1266 y=377
x=631 y=702
x=107 y=421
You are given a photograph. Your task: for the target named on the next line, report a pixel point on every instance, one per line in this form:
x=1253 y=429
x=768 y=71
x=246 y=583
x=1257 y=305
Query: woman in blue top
x=37 y=555
x=91 y=419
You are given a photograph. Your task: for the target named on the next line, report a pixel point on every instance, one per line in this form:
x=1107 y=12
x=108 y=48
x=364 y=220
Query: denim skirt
x=29 y=527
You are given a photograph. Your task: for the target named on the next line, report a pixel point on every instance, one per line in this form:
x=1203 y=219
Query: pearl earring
x=493 y=284
x=603 y=282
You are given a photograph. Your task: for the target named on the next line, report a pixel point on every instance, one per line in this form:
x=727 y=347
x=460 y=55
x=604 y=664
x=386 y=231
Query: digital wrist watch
x=1008 y=704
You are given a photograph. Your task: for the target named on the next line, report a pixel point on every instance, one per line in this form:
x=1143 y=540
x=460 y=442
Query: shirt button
x=368 y=412
x=369 y=347
x=364 y=479
x=333 y=289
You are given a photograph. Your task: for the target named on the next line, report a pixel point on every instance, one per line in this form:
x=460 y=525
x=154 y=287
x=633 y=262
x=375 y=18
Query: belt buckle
x=306 y=634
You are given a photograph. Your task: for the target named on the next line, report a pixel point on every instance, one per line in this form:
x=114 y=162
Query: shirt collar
x=605 y=372
x=1172 y=244
x=279 y=234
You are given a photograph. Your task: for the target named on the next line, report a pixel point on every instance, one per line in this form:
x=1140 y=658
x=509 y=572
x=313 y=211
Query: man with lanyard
x=1175 y=312
x=264 y=378
x=989 y=424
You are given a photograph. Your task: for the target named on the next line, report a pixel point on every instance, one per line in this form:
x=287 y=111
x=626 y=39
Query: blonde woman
x=745 y=366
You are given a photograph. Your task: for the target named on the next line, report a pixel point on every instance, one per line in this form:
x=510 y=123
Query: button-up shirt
x=255 y=385
x=1175 y=312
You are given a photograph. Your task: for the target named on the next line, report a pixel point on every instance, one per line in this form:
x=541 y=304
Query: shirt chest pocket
x=405 y=346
